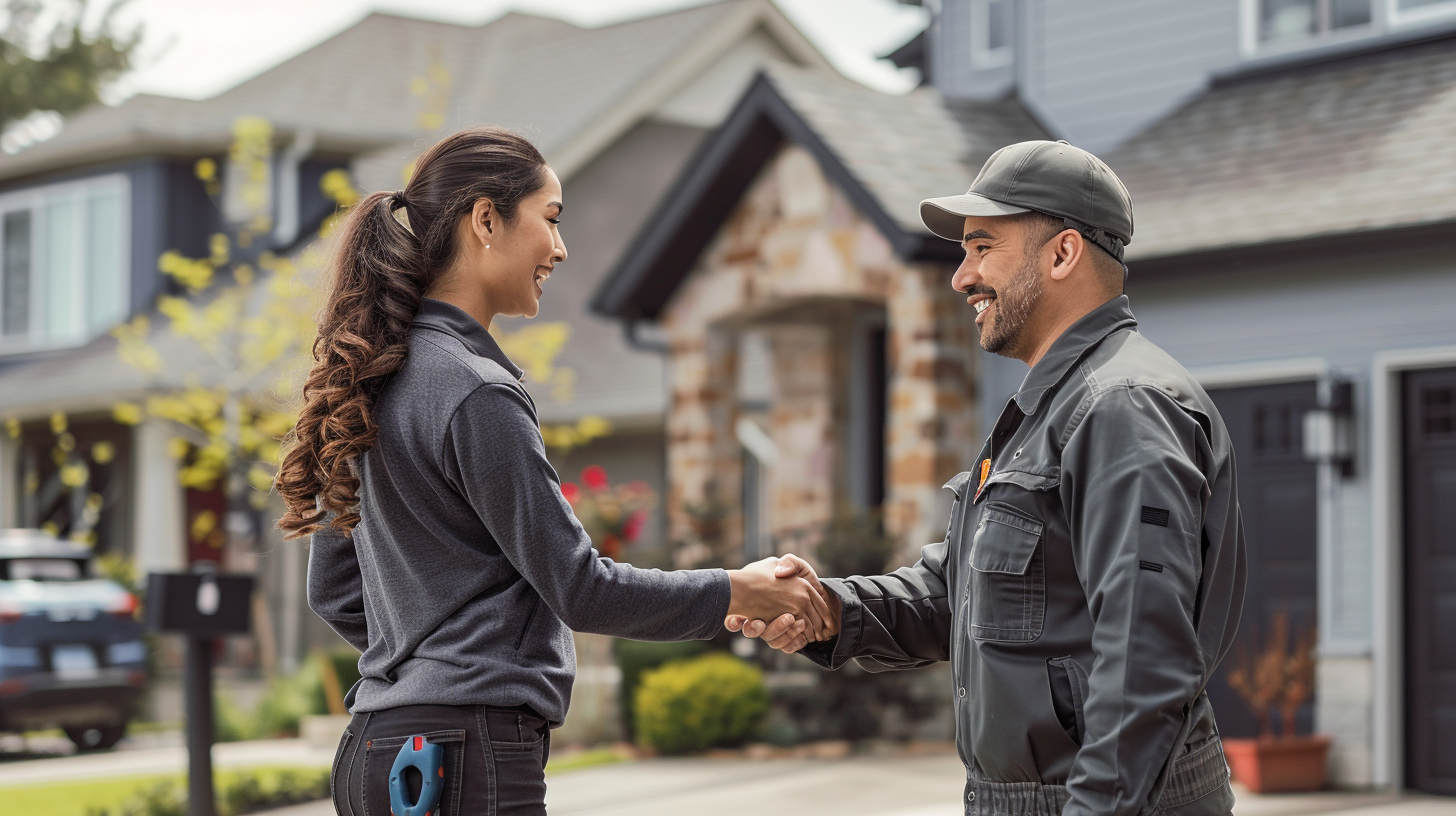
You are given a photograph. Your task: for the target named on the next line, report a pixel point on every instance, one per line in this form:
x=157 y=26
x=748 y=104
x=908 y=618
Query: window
x=1416 y=11
x=991 y=33
x=1293 y=21
x=63 y=263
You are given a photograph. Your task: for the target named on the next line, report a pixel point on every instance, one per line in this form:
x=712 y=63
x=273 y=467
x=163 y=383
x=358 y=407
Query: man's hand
x=786 y=633
x=760 y=593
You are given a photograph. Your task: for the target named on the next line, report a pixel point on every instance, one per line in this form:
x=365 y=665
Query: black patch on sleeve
x=1155 y=515
x=1150 y=566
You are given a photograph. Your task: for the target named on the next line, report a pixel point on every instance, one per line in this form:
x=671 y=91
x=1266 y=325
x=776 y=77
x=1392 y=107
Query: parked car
x=71 y=649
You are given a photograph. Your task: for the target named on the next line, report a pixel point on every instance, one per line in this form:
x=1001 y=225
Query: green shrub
x=240 y=792
x=708 y=701
x=637 y=656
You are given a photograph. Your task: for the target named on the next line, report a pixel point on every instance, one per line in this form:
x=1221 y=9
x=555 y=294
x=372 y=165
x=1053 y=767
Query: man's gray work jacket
x=1085 y=591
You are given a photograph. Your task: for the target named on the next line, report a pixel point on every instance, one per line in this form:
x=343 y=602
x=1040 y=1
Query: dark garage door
x=1277 y=498
x=1430 y=579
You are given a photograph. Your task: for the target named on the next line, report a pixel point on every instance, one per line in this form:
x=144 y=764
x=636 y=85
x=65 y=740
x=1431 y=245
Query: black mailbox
x=207 y=604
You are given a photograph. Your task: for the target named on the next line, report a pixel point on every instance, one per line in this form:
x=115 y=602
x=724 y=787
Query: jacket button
x=963 y=691
x=971 y=797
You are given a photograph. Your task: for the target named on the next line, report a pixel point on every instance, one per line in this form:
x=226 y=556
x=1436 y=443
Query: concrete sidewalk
x=860 y=786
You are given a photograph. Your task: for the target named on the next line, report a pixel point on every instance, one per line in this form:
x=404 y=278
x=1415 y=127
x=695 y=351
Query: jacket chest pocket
x=1008 y=576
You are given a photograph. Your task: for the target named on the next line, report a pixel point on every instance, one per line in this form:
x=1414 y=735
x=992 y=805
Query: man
x=1093 y=570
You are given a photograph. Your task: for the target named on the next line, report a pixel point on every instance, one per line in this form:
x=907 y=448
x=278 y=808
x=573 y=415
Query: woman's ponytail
x=380 y=272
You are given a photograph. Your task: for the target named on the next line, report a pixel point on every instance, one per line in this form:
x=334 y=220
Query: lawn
x=74 y=798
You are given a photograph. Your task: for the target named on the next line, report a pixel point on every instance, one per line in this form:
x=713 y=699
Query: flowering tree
x=612 y=515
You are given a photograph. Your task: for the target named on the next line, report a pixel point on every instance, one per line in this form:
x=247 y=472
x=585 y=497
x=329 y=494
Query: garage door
x=1430 y=579
x=1277 y=496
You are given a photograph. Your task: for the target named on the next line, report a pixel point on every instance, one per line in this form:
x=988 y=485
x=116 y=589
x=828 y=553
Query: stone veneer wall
x=797 y=261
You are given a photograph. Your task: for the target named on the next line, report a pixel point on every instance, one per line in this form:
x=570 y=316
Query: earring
x=487 y=246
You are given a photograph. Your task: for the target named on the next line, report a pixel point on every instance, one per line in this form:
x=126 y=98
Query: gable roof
x=1340 y=148
x=885 y=152
x=551 y=79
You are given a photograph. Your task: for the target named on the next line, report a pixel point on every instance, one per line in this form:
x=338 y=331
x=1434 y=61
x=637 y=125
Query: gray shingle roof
x=1364 y=143
x=904 y=148
x=547 y=77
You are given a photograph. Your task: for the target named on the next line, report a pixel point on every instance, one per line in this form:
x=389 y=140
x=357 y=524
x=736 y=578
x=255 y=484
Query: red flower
x=595 y=478
x=633 y=527
x=571 y=492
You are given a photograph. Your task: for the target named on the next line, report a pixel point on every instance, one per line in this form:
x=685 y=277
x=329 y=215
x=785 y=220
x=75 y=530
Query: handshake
x=782 y=601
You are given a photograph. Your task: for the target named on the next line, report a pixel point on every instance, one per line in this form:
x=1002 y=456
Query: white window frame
x=1418 y=16
x=982 y=55
x=1252 y=46
x=36 y=200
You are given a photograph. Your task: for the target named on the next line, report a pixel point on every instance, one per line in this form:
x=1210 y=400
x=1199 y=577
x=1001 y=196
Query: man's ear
x=1068 y=251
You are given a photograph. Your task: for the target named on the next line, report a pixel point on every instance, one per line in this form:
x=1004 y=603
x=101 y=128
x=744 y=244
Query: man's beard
x=1013 y=304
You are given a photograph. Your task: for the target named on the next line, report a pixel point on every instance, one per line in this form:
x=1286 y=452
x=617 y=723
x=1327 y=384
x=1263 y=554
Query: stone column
x=701 y=465
x=932 y=434
x=802 y=481
x=159 y=517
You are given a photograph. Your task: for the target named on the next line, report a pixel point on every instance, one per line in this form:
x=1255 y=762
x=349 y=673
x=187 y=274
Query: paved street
x=859 y=786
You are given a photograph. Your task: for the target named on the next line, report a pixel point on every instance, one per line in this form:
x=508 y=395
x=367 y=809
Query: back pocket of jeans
x=1008 y=580
x=379 y=756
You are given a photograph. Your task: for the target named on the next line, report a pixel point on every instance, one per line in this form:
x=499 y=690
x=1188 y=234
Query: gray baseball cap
x=1049 y=177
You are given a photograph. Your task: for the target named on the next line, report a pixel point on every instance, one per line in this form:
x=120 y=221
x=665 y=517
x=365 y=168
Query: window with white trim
x=991 y=33
x=1418 y=11
x=1280 y=22
x=64 y=264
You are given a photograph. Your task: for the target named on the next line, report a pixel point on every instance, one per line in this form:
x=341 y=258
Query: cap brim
x=946 y=216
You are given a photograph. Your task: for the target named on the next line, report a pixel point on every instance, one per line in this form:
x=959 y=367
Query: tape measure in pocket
x=429 y=759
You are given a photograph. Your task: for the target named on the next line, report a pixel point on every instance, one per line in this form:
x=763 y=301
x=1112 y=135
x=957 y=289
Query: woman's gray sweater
x=468 y=570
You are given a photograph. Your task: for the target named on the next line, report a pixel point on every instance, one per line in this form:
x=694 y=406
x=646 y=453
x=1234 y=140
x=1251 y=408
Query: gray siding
x=1100 y=72
x=951 y=69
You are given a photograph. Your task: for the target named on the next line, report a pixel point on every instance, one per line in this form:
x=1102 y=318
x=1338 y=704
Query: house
x=1294 y=177
x=616 y=110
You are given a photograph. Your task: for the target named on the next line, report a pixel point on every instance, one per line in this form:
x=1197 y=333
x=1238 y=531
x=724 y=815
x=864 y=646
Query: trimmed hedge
x=715 y=700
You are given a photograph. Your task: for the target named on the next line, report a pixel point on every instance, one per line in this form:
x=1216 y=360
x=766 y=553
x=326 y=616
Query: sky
x=198 y=48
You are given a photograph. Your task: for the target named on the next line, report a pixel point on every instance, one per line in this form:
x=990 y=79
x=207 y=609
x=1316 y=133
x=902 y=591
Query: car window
x=44 y=569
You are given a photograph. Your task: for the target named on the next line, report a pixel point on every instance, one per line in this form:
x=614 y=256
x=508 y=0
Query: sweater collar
x=437 y=315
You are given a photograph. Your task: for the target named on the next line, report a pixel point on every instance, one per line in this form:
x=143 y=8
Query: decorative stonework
x=797 y=262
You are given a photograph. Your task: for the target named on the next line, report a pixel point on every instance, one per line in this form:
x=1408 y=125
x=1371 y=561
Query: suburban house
x=617 y=110
x=1294 y=174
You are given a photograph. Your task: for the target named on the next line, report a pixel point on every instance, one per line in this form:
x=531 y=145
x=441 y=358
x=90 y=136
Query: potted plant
x=1277 y=677
x=613 y=515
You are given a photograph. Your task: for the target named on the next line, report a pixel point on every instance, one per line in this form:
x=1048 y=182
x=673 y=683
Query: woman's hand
x=760 y=593
x=787 y=633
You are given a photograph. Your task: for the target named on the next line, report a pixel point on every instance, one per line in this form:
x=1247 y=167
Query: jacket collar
x=437 y=315
x=1067 y=350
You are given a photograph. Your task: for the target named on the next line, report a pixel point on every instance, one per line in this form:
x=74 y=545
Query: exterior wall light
x=1329 y=431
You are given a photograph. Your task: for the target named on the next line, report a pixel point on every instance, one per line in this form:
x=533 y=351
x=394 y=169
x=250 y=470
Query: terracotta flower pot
x=1279 y=764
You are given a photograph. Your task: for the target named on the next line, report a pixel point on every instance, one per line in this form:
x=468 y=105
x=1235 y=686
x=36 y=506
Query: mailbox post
x=202 y=606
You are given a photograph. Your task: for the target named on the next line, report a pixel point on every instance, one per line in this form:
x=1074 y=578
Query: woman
x=441 y=545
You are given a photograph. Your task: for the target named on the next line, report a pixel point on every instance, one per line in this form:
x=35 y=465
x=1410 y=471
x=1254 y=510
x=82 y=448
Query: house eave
x=718 y=175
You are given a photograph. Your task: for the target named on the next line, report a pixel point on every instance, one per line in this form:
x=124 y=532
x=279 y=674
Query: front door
x=1429 y=430
x=1277 y=496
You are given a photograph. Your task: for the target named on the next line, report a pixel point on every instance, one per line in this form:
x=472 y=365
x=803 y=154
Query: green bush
x=637 y=656
x=241 y=792
x=709 y=701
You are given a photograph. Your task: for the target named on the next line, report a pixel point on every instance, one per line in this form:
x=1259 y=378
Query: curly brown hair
x=379 y=273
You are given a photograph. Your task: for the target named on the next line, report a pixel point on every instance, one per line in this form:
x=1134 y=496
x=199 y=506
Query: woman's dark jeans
x=495 y=759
